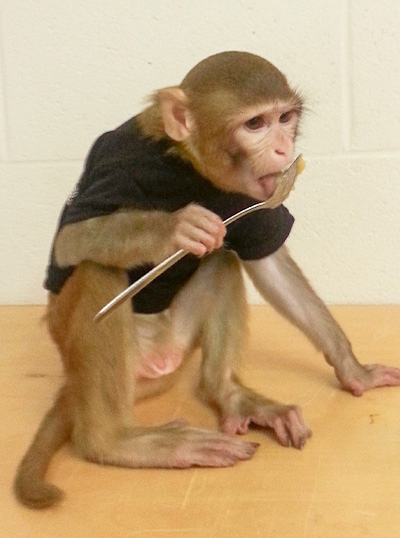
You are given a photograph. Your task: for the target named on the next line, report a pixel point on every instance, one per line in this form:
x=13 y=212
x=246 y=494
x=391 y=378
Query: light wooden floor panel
x=344 y=484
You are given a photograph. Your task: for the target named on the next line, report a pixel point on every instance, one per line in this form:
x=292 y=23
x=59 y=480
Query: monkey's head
x=235 y=117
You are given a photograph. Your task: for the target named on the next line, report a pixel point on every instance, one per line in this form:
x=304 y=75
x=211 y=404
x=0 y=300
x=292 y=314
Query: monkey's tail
x=30 y=486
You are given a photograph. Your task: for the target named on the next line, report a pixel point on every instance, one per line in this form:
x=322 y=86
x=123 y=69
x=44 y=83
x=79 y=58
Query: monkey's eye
x=286 y=116
x=255 y=123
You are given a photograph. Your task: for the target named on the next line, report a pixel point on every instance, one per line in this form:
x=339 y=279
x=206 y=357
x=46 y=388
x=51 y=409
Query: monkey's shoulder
x=132 y=170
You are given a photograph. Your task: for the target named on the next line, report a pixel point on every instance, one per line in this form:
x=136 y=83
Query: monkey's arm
x=281 y=282
x=132 y=237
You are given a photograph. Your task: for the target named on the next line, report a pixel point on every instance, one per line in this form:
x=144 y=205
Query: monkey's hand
x=198 y=230
x=358 y=378
x=286 y=421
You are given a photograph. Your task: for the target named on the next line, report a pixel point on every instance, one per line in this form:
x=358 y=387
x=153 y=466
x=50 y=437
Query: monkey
x=166 y=179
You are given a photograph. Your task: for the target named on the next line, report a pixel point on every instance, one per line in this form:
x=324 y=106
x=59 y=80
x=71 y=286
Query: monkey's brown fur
x=235 y=118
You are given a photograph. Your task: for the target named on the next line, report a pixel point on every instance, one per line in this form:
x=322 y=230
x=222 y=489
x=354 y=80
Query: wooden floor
x=344 y=484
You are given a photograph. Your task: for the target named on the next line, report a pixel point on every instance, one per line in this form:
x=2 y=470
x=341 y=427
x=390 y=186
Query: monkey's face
x=247 y=155
x=238 y=138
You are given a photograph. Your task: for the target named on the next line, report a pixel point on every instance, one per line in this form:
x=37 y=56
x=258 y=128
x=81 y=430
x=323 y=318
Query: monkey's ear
x=175 y=113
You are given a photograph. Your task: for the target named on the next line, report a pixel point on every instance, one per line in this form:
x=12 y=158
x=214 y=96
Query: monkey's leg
x=219 y=297
x=101 y=362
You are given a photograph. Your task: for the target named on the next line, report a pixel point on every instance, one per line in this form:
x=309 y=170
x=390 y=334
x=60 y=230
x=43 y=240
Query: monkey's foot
x=176 y=445
x=368 y=376
x=206 y=448
x=158 y=363
x=286 y=421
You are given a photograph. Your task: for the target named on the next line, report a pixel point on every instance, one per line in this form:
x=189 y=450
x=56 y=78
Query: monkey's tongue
x=268 y=184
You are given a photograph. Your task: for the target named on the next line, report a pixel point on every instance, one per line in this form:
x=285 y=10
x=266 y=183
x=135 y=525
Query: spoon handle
x=142 y=282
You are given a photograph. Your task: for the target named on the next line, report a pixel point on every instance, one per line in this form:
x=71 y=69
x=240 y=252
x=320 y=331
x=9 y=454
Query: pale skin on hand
x=240 y=139
x=198 y=230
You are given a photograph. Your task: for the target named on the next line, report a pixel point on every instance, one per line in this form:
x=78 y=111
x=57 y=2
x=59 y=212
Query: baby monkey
x=163 y=181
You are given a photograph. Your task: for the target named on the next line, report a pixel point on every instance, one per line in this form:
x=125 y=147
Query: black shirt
x=125 y=170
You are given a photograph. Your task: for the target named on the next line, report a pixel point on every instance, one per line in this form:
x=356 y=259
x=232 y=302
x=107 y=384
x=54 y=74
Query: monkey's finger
x=206 y=448
x=190 y=245
x=383 y=368
x=372 y=376
x=211 y=225
x=290 y=428
x=209 y=239
x=297 y=428
x=383 y=375
x=281 y=433
x=198 y=241
x=218 y=226
x=203 y=218
x=223 y=453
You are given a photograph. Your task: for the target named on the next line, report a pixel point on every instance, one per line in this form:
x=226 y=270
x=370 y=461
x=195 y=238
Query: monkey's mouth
x=268 y=183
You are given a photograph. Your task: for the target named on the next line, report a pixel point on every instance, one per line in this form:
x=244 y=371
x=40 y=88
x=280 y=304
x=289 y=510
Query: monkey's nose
x=281 y=156
x=281 y=148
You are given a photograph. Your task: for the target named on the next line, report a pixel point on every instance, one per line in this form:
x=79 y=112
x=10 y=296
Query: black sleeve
x=109 y=180
x=260 y=234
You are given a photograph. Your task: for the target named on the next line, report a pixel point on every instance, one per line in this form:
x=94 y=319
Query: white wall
x=71 y=70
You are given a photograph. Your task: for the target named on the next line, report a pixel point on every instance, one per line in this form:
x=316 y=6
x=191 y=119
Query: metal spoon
x=284 y=184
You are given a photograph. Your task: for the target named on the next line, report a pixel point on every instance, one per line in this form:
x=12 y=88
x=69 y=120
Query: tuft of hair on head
x=251 y=78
